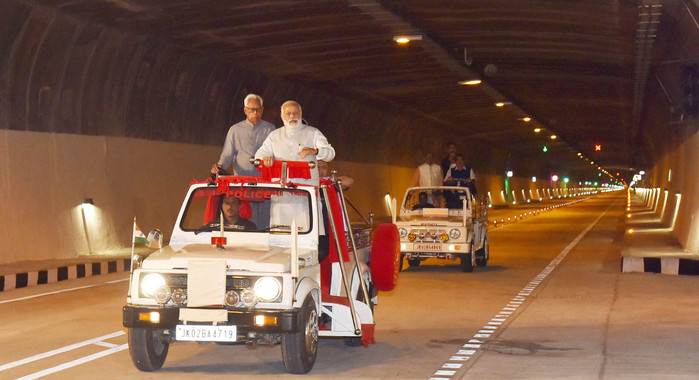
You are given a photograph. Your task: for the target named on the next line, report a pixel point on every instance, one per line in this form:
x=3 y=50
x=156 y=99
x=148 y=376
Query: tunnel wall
x=669 y=135
x=44 y=178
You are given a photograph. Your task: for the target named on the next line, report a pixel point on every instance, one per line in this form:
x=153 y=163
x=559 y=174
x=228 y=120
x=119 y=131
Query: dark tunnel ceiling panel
x=569 y=63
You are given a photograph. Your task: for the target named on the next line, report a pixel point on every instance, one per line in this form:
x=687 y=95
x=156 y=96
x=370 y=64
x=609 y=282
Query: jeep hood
x=262 y=259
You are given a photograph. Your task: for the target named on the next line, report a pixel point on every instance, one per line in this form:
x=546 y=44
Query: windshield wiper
x=207 y=228
x=284 y=227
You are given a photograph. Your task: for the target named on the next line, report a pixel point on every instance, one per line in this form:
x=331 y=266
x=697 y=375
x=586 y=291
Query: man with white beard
x=295 y=141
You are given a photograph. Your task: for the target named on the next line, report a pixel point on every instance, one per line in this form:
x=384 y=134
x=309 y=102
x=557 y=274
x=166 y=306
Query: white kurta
x=285 y=143
x=430 y=175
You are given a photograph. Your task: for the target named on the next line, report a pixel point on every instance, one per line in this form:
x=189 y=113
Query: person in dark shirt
x=231 y=215
x=422 y=202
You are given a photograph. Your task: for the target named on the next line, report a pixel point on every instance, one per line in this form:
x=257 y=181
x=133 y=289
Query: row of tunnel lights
x=405 y=39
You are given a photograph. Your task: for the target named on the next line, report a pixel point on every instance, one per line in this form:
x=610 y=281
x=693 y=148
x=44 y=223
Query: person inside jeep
x=422 y=202
x=231 y=214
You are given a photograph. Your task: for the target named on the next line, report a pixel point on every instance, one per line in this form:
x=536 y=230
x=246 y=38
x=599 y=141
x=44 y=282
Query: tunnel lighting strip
x=473 y=345
x=512 y=219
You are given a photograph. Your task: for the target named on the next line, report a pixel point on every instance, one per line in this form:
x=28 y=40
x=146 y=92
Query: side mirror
x=154 y=240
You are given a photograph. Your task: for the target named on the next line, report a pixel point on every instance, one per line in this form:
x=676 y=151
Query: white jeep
x=284 y=267
x=443 y=222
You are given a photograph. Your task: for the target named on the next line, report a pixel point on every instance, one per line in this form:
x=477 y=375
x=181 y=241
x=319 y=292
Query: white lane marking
x=57 y=351
x=516 y=301
x=452 y=365
x=75 y=362
x=61 y=291
x=105 y=344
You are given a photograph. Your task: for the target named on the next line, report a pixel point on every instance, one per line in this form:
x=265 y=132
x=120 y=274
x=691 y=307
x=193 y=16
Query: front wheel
x=147 y=348
x=414 y=263
x=299 y=349
x=466 y=263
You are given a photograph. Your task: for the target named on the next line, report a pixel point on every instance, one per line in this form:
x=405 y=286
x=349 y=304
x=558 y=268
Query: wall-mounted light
x=553 y=137
x=502 y=104
x=554 y=178
x=404 y=39
x=526 y=119
x=537 y=130
x=642 y=172
x=470 y=82
x=509 y=174
x=566 y=179
x=533 y=179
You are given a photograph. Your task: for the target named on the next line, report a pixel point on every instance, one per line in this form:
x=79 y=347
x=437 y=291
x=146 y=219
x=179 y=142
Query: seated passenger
x=231 y=215
x=423 y=202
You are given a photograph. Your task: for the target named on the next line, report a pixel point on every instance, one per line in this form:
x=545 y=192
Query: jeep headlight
x=151 y=282
x=454 y=233
x=267 y=288
x=403 y=232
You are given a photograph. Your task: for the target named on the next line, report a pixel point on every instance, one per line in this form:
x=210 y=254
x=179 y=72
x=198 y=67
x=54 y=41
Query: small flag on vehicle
x=138 y=236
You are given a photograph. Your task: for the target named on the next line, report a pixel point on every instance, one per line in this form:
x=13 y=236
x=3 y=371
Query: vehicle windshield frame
x=268 y=230
x=405 y=210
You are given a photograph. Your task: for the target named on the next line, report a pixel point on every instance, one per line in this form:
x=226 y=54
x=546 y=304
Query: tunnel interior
x=125 y=102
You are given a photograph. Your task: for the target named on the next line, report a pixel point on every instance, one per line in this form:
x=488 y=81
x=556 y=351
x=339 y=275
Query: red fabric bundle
x=296 y=169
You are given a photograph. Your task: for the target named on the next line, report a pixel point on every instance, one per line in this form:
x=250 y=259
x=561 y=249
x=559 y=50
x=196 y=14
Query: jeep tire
x=483 y=254
x=299 y=349
x=147 y=348
x=466 y=263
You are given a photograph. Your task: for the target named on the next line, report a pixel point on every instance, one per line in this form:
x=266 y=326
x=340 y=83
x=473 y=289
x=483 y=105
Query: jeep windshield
x=434 y=203
x=247 y=209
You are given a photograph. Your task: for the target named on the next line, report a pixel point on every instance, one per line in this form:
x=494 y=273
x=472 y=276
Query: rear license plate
x=428 y=247
x=197 y=333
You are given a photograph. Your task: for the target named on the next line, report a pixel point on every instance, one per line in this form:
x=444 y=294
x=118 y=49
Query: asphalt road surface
x=550 y=304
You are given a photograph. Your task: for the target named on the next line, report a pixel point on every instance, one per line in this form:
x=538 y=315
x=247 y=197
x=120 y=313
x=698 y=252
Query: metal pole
x=365 y=292
x=357 y=330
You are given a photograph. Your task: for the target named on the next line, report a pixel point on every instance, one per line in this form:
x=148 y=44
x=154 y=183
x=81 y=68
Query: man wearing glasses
x=244 y=139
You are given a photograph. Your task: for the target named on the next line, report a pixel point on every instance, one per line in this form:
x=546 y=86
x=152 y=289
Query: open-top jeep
x=443 y=222
x=284 y=265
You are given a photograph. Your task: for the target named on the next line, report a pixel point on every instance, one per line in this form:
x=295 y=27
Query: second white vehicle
x=443 y=222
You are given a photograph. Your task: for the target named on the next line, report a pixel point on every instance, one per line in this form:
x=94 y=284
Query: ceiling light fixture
x=537 y=130
x=553 y=137
x=526 y=119
x=502 y=104
x=404 y=39
x=471 y=82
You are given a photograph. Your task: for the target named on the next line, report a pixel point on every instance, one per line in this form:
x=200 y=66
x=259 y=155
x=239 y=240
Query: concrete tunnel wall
x=129 y=121
x=669 y=136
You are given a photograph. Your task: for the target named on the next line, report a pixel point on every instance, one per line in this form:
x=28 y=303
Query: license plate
x=197 y=333
x=427 y=247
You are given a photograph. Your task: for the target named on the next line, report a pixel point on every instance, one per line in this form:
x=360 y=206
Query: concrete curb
x=63 y=273
x=664 y=265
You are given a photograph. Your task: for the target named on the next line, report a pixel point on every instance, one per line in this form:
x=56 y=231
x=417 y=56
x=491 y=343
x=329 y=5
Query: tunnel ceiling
x=567 y=64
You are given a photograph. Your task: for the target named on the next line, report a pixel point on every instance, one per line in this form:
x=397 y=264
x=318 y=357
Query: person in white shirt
x=428 y=174
x=295 y=141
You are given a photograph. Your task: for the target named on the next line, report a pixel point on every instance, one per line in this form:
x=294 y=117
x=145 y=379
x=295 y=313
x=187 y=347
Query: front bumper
x=287 y=320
